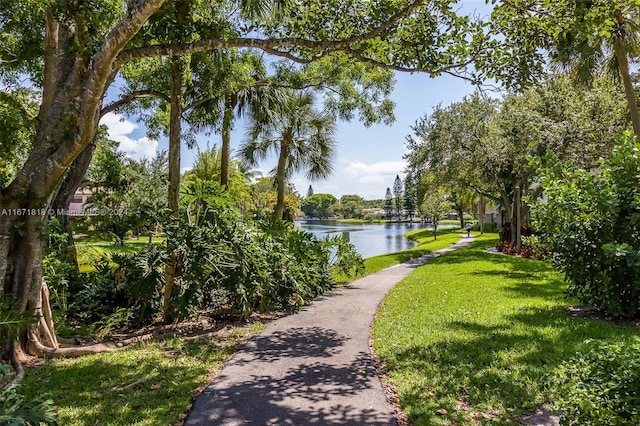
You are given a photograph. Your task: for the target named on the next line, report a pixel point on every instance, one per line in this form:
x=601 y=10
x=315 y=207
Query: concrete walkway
x=310 y=368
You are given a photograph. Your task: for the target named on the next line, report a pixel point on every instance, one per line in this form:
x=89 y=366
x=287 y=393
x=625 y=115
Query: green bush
x=220 y=260
x=591 y=228
x=602 y=385
x=490 y=227
x=15 y=410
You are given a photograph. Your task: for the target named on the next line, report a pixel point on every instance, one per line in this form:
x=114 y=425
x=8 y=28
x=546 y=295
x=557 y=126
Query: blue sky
x=367 y=160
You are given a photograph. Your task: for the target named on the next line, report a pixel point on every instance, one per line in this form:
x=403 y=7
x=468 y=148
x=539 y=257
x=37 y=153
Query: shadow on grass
x=504 y=369
x=150 y=385
x=501 y=366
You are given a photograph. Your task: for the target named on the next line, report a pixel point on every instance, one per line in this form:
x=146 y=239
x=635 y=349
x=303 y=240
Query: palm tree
x=301 y=137
x=239 y=86
x=585 y=55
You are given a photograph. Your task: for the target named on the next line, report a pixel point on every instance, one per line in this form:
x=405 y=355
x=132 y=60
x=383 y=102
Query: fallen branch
x=137 y=382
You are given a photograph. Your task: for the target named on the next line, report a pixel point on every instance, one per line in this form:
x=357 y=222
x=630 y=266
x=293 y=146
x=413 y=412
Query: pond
x=369 y=239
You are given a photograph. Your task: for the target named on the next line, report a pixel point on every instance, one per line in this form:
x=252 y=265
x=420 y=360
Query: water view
x=369 y=239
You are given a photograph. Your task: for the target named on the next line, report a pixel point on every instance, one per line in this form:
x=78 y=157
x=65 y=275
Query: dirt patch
x=589 y=312
x=542 y=417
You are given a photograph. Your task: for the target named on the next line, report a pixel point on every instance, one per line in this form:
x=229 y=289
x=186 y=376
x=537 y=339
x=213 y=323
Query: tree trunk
x=175 y=123
x=518 y=204
x=168 y=308
x=481 y=212
x=623 y=64
x=225 y=150
x=73 y=87
x=508 y=209
x=281 y=178
x=63 y=199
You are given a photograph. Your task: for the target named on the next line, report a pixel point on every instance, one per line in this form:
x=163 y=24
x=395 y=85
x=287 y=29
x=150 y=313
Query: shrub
x=525 y=231
x=602 y=385
x=219 y=260
x=525 y=251
x=490 y=227
x=591 y=226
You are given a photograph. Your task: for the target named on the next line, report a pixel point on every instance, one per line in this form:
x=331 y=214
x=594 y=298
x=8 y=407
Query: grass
x=473 y=337
x=97 y=244
x=426 y=244
x=148 y=384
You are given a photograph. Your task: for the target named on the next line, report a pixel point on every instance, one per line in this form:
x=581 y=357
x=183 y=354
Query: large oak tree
x=72 y=50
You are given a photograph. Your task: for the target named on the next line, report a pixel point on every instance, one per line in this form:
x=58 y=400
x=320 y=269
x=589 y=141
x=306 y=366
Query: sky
x=367 y=159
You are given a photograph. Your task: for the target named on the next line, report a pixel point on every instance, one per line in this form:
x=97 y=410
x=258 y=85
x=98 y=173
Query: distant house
x=80 y=198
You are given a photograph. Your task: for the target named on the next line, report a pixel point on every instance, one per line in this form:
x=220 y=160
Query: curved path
x=310 y=368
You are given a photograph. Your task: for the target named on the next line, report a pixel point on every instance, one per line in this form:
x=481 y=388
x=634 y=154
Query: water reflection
x=370 y=239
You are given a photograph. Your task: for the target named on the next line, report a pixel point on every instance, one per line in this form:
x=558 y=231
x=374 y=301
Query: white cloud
x=120 y=130
x=377 y=172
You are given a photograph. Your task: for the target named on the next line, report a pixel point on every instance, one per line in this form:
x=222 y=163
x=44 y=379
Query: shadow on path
x=310 y=368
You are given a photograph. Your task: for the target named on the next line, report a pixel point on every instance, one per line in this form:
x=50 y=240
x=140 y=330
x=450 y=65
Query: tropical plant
x=586 y=38
x=14 y=408
x=239 y=86
x=301 y=137
x=591 y=227
x=208 y=167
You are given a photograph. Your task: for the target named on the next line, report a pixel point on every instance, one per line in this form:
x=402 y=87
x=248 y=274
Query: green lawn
x=426 y=244
x=472 y=336
x=147 y=384
x=94 y=246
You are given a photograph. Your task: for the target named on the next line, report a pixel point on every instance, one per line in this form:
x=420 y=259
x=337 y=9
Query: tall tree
x=435 y=205
x=351 y=205
x=585 y=37
x=317 y=205
x=74 y=50
x=397 y=196
x=409 y=197
x=300 y=136
x=476 y=145
x=229 y=83
x=388 y=203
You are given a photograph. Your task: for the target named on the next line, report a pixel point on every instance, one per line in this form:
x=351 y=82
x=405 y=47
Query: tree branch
x=214 y=44
x=50 y=55
x=138 y=94
x=446 y=70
